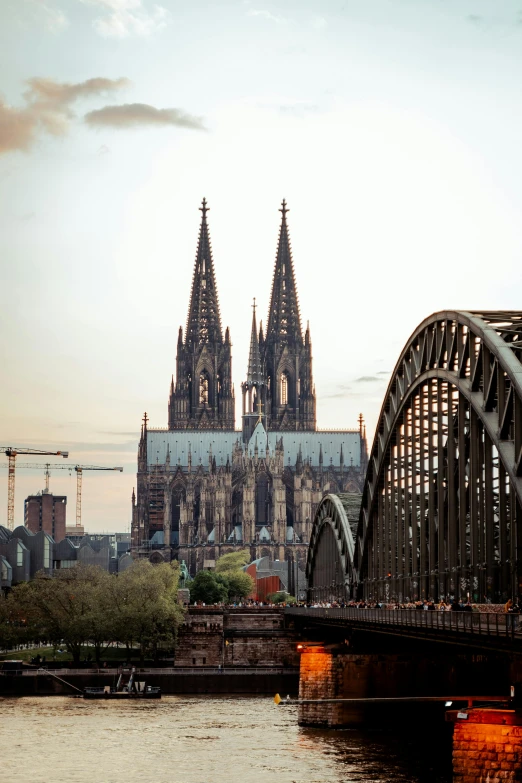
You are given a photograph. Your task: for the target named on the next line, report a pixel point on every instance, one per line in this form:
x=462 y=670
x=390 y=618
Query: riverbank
x=171 y=681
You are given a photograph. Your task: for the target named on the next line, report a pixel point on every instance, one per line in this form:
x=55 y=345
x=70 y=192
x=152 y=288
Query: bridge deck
x=478 y=629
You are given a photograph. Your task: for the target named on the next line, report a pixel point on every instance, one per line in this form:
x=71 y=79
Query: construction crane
x=11 y=454
x=79 y=474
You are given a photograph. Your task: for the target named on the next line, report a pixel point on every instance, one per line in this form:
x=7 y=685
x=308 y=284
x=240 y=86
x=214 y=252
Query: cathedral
x=205 y=487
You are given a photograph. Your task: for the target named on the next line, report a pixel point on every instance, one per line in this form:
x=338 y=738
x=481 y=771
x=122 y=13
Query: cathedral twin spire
x=279 y=374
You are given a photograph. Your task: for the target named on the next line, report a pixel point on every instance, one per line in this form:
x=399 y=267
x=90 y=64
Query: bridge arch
x=329 y=566
x=441 y=511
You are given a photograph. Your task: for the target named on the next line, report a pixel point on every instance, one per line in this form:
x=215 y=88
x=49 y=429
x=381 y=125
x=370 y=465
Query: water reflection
x=195 y=739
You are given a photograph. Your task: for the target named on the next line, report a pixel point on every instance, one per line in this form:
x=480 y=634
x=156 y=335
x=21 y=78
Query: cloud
x=55 y=20
x=266 y=15
x=367 y=379
x=384 y=372
x=343 y=391
x=130 y=115
x=47 y=110
x=124 y=18
x=474 y=19
x=103 y=150
x=44 y=15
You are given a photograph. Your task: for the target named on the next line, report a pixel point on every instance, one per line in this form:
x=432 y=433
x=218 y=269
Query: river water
x=195 y=739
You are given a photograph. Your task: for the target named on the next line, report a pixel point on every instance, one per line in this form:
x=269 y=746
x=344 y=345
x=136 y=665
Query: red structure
x=264 y=585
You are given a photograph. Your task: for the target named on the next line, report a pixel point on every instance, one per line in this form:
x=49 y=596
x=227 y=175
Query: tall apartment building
x=46 y=512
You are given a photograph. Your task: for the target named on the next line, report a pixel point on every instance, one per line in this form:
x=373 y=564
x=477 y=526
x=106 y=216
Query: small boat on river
x=131 y=689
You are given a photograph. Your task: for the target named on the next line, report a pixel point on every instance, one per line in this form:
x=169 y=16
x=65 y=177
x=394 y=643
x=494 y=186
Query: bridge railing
x=480 y=623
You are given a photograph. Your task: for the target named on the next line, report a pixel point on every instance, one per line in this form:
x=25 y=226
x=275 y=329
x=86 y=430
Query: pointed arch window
x=284 y=388
x=204 y=386
x=263 y=500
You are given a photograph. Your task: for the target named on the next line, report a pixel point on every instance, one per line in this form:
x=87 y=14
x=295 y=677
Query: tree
x=232 y=561
x=145 y=608
x=281 y=597
x=13 y=628
x=240 y=584
x=209 y=588
x=230 y=567
x=64 y=609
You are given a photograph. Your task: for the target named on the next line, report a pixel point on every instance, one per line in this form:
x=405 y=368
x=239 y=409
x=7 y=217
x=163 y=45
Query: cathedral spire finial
x=283 y=208
x=203 y=208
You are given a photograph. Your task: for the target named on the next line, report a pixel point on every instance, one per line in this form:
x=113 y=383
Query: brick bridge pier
x=343 y=662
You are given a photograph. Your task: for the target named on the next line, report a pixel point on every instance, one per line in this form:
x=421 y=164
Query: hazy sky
x=392 y=127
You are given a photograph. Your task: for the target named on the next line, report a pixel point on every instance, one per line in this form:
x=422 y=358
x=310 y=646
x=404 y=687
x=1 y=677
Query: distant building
x=46 y=512
x=75 y=532
x=23 y=554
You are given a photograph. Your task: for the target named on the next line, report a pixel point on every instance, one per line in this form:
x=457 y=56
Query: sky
x=391 y=127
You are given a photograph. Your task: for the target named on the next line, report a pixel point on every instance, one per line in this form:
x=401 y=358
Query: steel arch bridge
x=330 y=561
x=441 y=512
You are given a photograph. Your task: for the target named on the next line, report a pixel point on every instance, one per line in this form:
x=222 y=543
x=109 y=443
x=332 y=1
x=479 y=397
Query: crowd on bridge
x=427 y=605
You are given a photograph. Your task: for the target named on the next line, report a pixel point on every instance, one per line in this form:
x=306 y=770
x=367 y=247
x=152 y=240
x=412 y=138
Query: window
x=203 y=388
x=47 y=553
x=262 y=500
x=19 y=555
x=284 y=388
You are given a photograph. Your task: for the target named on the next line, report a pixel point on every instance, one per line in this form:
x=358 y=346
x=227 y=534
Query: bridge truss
x=441 y=511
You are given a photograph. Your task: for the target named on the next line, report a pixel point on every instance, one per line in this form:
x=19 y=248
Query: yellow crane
x=11 y=453
x=79 y=474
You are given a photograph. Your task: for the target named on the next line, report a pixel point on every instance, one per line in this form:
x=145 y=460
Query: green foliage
x=209 y=588
x=281 y=598
x=86 y=605
x=227 y=583
x=233 y=561
x=13 y=628
x=145 y=608
x=240 y=584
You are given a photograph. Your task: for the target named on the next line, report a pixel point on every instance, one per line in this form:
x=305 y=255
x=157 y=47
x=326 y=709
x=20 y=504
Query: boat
x=132 y=689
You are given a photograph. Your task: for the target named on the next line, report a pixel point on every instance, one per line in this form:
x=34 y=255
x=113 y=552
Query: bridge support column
x=325 y=674
x=487 y=746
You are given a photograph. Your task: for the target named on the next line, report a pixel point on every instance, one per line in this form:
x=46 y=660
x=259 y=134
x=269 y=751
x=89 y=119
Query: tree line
x=85 y=605
x=137 y=608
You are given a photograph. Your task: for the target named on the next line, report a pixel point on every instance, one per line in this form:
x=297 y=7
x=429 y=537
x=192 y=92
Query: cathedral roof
x=284 y=320
x=221 y=443
x=259 y=440
x=203 y=320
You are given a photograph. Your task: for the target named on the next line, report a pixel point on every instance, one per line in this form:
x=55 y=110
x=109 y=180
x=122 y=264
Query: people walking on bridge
x=512 y=610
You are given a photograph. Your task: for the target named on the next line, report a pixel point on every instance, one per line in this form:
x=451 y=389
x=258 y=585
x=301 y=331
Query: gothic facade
x=205 y=488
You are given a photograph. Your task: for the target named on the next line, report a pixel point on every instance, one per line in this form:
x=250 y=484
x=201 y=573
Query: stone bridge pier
x=486 y=742
x=334 y=671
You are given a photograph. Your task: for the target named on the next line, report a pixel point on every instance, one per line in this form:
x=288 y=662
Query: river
x=196 y=739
